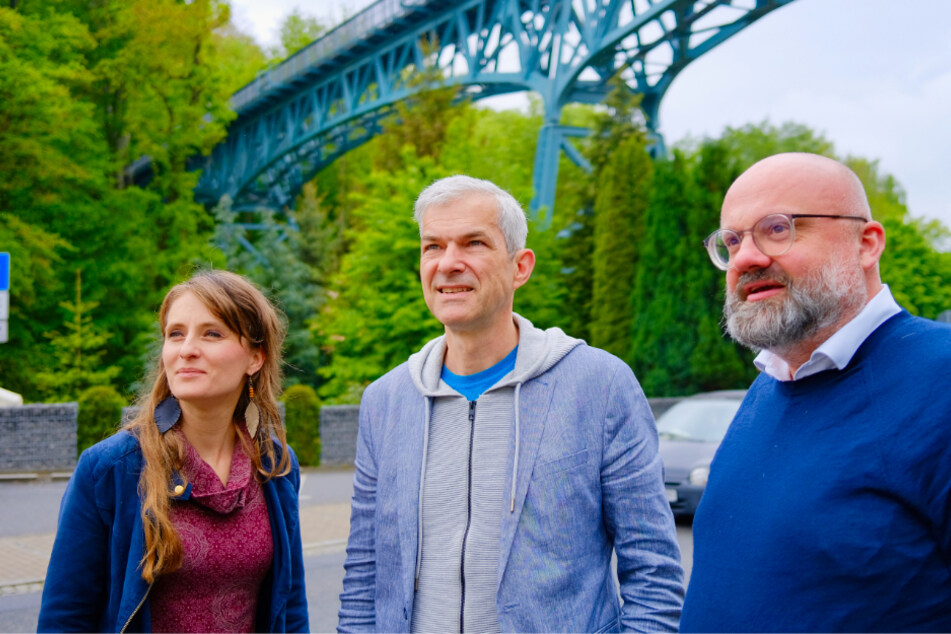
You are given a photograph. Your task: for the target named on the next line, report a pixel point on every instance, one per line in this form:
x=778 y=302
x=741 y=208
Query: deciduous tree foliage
x=87 y=90
x=105 y=106
x=375 y=315
x=297 y=31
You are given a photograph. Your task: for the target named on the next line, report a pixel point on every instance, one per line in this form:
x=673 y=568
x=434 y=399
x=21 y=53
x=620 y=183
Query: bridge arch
x=331 y=96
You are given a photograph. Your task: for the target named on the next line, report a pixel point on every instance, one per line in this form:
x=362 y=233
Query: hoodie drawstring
x=518 y=388
x=422 y=479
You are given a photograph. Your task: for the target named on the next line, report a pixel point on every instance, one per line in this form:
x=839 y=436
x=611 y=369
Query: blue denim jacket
x=589 y=482
x=94 y=583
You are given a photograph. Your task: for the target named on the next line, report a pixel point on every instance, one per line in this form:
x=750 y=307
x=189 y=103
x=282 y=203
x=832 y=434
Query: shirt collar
x=837 y=350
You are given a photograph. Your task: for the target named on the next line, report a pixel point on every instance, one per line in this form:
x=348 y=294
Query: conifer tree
x=623 y=192
x=78 y=350
x=282 y=262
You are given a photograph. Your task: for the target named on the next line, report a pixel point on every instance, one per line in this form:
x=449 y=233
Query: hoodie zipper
x=465 y=535
x=137 y=608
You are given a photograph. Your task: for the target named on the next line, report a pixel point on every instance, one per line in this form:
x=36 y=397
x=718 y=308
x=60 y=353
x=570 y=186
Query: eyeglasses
x=773 y=235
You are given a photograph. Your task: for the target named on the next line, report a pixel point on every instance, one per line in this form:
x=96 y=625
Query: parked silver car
x=690 y=433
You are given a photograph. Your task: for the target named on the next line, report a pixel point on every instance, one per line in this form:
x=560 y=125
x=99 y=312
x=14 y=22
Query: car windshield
x=697 y=420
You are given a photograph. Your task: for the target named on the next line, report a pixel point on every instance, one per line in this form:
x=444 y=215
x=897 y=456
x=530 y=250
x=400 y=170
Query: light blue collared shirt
x=837 y=350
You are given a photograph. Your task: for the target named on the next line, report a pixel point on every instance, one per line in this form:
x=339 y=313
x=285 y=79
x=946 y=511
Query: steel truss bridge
x=332 y=96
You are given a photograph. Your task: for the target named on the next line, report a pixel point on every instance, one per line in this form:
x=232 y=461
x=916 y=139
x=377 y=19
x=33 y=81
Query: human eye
x=775 y=228
x=174 y=333
x=430 y=247
x=730 y=239
x=214 y=333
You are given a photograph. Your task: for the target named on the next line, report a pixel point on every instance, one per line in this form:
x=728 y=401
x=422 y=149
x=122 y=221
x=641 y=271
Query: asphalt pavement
x=28 y=526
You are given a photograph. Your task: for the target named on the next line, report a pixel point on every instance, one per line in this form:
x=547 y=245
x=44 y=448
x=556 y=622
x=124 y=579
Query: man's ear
x=872 y=245
x=524 y=265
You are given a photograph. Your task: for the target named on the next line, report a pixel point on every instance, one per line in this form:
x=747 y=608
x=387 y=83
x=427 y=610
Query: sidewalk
x=23 y=559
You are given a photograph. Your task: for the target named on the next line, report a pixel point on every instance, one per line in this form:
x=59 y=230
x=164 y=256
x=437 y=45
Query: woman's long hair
x=246 y=312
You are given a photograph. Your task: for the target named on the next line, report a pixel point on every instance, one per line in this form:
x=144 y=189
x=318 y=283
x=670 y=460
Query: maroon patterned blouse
x=228 y=552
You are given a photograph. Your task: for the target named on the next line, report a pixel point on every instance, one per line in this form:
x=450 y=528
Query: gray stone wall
x=42 y=437
x=339 y=423
x=38 y=437
x=338 y=434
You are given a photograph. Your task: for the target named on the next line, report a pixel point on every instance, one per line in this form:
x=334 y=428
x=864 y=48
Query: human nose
x=188 y=347
x=748 y=255
x=451 y=260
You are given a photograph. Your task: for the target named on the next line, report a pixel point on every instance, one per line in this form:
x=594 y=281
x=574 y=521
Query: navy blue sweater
x=829 y=501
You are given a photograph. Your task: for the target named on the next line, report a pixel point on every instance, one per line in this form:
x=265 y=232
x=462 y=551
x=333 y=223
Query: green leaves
x=375 y=316
x=78 y=348
x=86 y=89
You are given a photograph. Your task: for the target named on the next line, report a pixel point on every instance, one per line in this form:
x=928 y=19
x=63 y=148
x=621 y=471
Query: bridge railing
x=374 y=17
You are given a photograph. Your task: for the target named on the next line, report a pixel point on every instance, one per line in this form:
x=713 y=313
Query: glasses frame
x=710 y=242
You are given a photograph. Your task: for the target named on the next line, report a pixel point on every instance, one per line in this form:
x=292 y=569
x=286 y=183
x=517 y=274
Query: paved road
x=28 y=524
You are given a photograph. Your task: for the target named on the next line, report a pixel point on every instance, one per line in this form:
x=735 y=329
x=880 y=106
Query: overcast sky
x=873 y=76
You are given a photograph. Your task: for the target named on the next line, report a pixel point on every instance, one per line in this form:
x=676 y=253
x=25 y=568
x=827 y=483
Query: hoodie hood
x=538 y=351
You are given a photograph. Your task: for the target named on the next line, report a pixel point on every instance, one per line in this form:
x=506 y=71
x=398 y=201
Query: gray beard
x=817 y=301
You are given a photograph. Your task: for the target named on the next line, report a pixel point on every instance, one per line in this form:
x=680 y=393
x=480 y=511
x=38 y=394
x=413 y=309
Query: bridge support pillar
x=545 y=176
x=552 y=139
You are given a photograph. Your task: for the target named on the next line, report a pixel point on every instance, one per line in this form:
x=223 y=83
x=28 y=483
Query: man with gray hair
x=499 y=468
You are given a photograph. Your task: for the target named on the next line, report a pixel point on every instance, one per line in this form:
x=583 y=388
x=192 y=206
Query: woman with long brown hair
x=187 y=519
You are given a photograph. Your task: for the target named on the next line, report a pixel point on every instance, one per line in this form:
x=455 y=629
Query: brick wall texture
x=38 y=437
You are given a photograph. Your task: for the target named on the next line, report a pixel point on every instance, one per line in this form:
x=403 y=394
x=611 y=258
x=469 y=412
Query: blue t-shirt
x=473 y=385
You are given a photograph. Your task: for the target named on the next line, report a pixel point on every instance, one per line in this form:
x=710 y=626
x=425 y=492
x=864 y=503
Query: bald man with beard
x=829 y=501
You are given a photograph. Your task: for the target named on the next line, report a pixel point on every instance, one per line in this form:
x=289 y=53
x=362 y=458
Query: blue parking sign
x=4 y=271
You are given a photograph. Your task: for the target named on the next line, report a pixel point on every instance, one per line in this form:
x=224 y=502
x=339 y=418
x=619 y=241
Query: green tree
x=238 y=56
x=43 y=163
x=100 y=413
x=619 y=210
x=677 y=344
x=750 y=143
x=277 y=266
x=715 y=362
x=35 y=256
x=78 y=351
x=134 y=80
x=297 y=30
x=302 y=423
x=618 y=193
x=917 y=274
x=664 y=324
x=607 y=209
x=423 y=119
x=375 y=316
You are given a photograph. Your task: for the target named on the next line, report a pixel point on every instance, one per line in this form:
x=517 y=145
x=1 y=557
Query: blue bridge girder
x=332 y=96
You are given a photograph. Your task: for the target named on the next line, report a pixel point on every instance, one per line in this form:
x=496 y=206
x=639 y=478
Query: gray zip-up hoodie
x=461 y=495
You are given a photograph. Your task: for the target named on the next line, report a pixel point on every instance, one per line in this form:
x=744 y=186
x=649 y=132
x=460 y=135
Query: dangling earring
x=252 y=415
x=167 y=414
